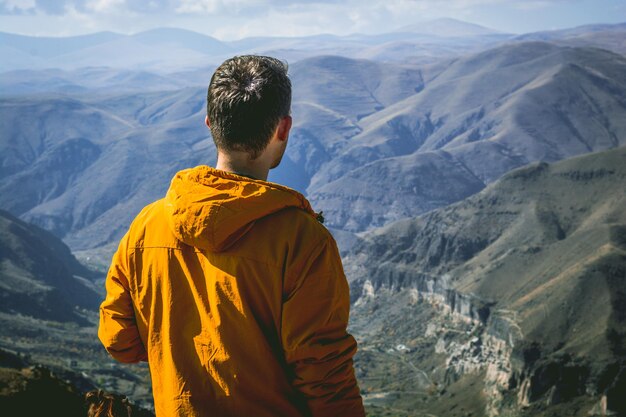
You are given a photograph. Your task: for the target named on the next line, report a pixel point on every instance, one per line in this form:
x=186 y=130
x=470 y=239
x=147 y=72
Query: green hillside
x=524 y=282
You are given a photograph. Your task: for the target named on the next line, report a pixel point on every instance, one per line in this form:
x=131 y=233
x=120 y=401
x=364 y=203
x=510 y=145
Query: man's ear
x=207 y=122
x=284 y=126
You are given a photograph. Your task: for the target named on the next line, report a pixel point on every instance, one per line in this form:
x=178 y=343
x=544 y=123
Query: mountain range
x=612 y=37
x=166 y=50
x=479 y=117
x=83 y=164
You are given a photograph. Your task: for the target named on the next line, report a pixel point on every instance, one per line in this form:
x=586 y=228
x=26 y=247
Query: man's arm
x=315 y=339
x=118 y=327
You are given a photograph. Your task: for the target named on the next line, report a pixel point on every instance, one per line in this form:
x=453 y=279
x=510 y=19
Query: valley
x=474 y=181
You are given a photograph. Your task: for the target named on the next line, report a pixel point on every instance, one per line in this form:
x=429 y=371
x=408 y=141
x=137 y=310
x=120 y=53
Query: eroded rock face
x=516 y=377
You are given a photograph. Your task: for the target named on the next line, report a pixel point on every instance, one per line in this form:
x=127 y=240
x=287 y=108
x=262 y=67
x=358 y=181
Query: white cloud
x=20 y=4
x=221 y=6
x=9 y=7
x=100 y=6
x=231 y=19
x=248 y=7
x=198 y=6
x=533 y=4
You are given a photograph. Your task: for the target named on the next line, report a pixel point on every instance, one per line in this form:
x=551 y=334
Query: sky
x=235 y=19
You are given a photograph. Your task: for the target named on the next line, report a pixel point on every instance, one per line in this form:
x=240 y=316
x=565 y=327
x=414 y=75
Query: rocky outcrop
x=516 y=373
x=425 y=287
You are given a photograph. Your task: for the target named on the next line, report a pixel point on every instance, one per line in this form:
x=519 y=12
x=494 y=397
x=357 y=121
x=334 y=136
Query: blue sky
x=233 y=19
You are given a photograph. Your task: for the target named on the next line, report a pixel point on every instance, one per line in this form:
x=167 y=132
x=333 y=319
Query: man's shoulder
x=299 y=221
x=295 y=229
x=150 y=211
x=150 y=227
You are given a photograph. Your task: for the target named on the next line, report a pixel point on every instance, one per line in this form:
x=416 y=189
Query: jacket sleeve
x=314 y=334
x=118 y=327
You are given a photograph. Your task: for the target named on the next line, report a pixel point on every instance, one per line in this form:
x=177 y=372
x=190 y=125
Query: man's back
x=238 y=295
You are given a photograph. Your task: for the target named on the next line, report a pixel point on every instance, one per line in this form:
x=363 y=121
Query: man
x=230 y=287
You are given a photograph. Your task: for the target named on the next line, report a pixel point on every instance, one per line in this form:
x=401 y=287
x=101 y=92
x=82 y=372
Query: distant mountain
x=39 y=277
x=611 y=37
x=482 y=115
x=533 y=267
x=30 y=52
x=159 y=50
x=166 y=50
x=130 y=53
x=401 y=46
x=182 y=38
x=47 y=47
x=90 y=80
x=447 y=28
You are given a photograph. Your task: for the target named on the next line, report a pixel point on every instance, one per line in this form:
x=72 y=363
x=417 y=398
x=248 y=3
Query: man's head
x=247 y=98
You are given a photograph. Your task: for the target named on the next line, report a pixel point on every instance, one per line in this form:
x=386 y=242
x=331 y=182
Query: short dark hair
x=247 y=97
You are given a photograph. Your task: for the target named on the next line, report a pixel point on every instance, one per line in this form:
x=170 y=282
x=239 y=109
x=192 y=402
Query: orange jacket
x=235 y=295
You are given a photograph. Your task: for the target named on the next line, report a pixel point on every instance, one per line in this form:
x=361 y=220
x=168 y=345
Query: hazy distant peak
x=165 y=32
x=100 y=36
x=447 y=27
x=578 y=30
x=182 y=38
x=332 y=61
x=46 y=47
x=603 y=36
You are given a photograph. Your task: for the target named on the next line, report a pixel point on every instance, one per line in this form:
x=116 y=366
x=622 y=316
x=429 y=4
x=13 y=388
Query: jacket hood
x=211 y=209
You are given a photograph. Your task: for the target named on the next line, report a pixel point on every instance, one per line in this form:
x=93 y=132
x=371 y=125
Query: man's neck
x=240 y=163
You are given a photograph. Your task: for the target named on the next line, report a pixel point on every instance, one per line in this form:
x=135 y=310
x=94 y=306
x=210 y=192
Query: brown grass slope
x=544 y=246
x=39 y=277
